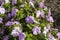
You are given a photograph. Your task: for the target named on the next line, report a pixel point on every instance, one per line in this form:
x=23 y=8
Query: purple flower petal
x=13 y=13
x=51 y=37
x=29 y=19
x=22 y=36
x=8 y=16
x=9 y=23
x=2 y=31
x=48 y=26
x=5 y=37
x=58 y=34
x=49 y=18
x=1 y=20
x=49 y=13
x=0 y=2
x=41 y=5
x=40 y=13
x=36 y=30
x=14 y=2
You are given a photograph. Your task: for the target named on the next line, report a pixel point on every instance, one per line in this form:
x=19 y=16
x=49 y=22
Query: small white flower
x=16 y=10
x=31 y=4
x=53 y=39
x=14 y=33
x=36 y=22
x=36 y=30
x=17 y=29
x=48 y=26
x=6 y=1
x=15 y=22
x=49 y=18
x=38 y=14
x=22 y=5
x=45 y=8
x=35 y=33
x=2 y=10
x=45 y=31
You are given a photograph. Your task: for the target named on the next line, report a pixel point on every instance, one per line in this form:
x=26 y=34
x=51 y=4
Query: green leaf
x=7 y=6
x=54 y=33
x=42 y=25
x=20 y=14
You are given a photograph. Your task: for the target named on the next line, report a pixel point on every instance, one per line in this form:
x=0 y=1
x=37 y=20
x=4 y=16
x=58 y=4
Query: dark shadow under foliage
x=55 y=9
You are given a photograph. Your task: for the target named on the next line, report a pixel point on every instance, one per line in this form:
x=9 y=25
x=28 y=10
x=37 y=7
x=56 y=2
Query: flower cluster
x=26 y=20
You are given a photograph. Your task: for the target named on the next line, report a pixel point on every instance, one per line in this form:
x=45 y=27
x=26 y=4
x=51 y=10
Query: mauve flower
x=7 y=1
x=40 y=13
x=29 y=19
x=14 y=2
x=5 y=37
x=58 y=34
x=49 y=18
x=41 y=5
x=51 y=37
x=15 y=31
x=22 y=36
x=9 y=23
x=1 y=19
x=13 y=12
x=49 y=12
x=36 y=30
x=2 y=10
